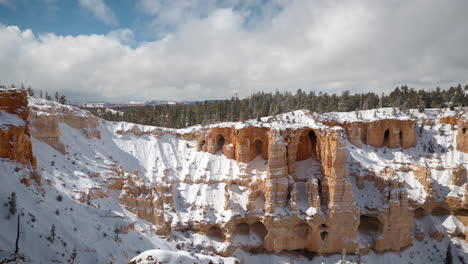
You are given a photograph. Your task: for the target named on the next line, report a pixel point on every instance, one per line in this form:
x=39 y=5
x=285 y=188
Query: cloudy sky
x=118 y=51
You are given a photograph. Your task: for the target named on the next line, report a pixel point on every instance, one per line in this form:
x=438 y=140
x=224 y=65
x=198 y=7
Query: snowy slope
x=89 y=228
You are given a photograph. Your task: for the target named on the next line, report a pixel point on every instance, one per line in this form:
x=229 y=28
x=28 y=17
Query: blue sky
x=210 y=49
x=68 y=17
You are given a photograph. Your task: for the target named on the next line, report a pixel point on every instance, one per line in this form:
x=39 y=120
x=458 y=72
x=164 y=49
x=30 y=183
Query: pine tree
x=62 y=99
x=30 y=91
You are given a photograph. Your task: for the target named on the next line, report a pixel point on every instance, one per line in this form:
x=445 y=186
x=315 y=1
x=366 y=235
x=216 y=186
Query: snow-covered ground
x=86 y=232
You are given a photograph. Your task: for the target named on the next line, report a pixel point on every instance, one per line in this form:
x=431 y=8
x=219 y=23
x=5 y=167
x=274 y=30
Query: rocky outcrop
x=316 y=212
x=46 y=117
x=462 y=135
x=14 y=131
x=15 y=143
x=287 y=188
x=391 y=133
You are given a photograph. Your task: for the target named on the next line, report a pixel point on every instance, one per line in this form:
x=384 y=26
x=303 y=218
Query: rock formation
x=391 y=133
x=309 y=186
x=462 y=135
x=14 y=130
x=15 y=143
x=46 y=117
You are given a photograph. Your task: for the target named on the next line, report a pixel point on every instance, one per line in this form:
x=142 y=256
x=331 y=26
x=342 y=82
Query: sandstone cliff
x=297 y=183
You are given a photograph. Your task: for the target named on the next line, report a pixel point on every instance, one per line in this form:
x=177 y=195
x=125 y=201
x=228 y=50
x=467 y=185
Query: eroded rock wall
x=462 y=135
x=15 y=143
x=391 y=133
x=14 y=133
x=45 y=119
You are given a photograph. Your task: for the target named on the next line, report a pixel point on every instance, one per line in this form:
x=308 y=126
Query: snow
x=8 y=120
x=199 y=180
x=364 y=115
x=164 y=256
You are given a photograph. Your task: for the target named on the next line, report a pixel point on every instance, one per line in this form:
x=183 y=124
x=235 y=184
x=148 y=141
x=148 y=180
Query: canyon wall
x=299 y=183
x=45 y=119
x=15 y=142
x=462 y=135
x=391 y=133
x=288 y=211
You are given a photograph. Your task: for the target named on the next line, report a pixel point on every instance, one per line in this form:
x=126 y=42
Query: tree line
x=263 y=104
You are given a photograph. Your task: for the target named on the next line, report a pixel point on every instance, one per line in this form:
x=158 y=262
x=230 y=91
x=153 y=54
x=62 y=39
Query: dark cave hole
x=386 y=138
x=369 y=225
x=324 y=235
x=220 y=142
x=259 y=147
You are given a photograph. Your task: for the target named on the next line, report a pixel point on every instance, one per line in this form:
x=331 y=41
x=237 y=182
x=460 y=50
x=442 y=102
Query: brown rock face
x=14 y=138
x=15 y=143
x=462 y=135
x=45 y=119
x=289 y=209
x=240 y=144
x=391 y=133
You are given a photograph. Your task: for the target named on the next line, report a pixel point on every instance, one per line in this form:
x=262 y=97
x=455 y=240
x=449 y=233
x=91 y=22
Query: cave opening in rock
x=215 y=233
x=200 y=145
x=259 y=229
x=401 y=138
x=242 y=229
x=369 y=225
x=364 y=135
x=313 y=143
x=307 y=146
x=324 y=235
x=219 y=142
x=464 y=130
x=419 y=212
x=259 y=147
x=386 y=138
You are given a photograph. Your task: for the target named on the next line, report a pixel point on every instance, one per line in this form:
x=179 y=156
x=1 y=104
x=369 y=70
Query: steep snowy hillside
x=381 y=185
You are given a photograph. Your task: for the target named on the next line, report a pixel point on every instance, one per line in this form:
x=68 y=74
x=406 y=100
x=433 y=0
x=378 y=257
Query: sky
x=123 y=50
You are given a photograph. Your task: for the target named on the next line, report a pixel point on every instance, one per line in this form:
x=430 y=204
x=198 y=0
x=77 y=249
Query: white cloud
x=320 y=45
x=100 y=10
x=124 y=35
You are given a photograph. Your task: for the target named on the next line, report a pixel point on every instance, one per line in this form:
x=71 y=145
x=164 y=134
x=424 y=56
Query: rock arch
x=219 y=142
x=307 y=145
x=363 y=135
x=419 y=212
x=259 y=147
x=242 y=229
x=215 y=233
x=370 y=226
x=259 y=229
x=386 y=137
